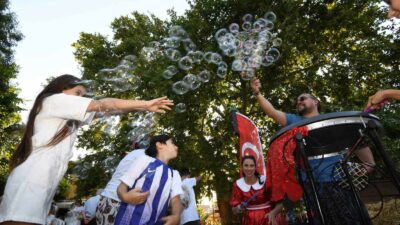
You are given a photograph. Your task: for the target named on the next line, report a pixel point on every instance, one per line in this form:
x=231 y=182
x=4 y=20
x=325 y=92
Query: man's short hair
x=152 y=149
x=318 y=102
x=319 y=108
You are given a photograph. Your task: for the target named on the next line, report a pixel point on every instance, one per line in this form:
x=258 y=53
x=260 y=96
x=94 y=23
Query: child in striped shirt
x=150 y=185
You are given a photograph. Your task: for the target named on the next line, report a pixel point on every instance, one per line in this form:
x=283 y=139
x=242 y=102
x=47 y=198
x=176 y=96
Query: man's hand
x=255 y=85
x=374 y=100
x=393 y=13
x=171 y=220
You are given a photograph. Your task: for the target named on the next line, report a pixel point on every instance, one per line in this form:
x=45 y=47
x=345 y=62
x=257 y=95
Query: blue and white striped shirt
x=149 y=174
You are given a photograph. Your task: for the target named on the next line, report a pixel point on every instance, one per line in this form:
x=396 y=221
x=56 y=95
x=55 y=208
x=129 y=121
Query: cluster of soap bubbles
x=181 y=50
x=252 y=46
x=118 y=79
x=142 y=125
x=121 y=78
x=109 y=165
x=82 y=170
x=110 y=122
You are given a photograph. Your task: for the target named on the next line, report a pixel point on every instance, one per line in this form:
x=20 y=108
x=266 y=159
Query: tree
x=337 y=50
x=9 y=101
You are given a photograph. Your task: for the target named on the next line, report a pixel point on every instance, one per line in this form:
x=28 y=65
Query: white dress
x=32 y=185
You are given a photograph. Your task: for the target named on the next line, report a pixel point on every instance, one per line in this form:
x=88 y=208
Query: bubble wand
x=245 y=203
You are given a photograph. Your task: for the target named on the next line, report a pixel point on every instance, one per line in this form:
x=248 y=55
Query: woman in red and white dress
x=249 y=195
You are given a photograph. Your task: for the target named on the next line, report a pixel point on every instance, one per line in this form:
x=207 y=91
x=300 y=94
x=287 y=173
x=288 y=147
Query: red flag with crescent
x=250 y=143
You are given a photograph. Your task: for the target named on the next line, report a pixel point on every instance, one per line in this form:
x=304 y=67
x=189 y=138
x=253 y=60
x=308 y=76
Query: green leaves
x=9 y=101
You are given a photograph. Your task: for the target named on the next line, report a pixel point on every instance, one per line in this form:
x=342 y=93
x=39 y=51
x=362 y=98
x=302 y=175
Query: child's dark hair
x=255 y=164
x=184 y=172
x=152 y=149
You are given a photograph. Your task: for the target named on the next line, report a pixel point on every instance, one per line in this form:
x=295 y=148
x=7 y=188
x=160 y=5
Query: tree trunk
x=224 y=208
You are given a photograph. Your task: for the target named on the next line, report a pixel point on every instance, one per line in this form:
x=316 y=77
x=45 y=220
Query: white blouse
x=32 y=185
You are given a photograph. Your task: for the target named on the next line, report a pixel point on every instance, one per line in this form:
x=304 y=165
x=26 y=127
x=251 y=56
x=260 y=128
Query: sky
x=51 y=26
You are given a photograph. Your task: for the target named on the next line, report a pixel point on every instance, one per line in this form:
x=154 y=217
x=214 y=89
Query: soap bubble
x=274 y=52
x=234 y=28
x=185 y=63
x=189 y=45
x=180 y=107
x=204 y=76
x=247 y=17
x=172 y=54
x=192 y=81
x=177 y=31
x=167 y=74
x=246 y=25
x=172 y=42
x=180 y=87
x=221 y=72
x=270 y=16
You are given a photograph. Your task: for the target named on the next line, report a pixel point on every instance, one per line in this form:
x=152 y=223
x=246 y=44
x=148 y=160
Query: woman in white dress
x=41 y=159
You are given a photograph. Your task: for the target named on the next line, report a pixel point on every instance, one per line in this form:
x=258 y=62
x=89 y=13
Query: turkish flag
x=250 y=143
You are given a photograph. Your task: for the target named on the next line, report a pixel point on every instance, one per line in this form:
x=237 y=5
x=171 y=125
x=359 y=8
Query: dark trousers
x=337 y=204
x=196 y=222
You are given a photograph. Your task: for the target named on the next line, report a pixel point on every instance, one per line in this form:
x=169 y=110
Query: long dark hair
x=255 y=164
x=59 y=84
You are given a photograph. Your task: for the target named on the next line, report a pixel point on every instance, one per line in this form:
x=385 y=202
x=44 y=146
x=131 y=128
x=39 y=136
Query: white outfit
x=91 y=205
x=110 y=191
x=52 y=220
x=78 y=210
x=31 y=186
x=71 y=218
x=190 y=213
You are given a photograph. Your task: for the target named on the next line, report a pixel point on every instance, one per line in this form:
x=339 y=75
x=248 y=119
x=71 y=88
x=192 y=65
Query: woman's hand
x=159 y=105
x=271 y=216
x=274 y=212
x=237 y=210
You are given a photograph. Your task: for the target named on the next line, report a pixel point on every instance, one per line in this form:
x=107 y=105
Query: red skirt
x=256 y=216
